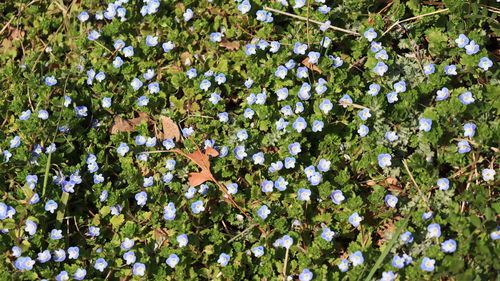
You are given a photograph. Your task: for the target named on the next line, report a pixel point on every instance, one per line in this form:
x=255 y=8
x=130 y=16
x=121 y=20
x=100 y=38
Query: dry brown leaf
x=231 y=45
x=211 y=152
x=186 y=58
x=391 y=181
x=170 y=129
x=200 y=159
x=128 y=125
x=196 y=179
x=311 y=66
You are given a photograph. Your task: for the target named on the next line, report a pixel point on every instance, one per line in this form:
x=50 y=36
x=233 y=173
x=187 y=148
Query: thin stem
x=313 y=21
x=414 y=18
x=242 y=233
x=416 y=185
x=284 y=265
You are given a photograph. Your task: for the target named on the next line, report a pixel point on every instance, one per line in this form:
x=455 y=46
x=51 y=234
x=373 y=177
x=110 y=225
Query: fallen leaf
x=391 y=181
x=186 y=58
x=196 y=179
x=170 y=129
x=230 y=45
x=128 y=125
x=210 y=151
x=311 y=66
x=200 y=159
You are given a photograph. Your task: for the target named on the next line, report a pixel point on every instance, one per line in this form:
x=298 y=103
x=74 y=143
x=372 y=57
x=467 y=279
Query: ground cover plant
x=249 y=140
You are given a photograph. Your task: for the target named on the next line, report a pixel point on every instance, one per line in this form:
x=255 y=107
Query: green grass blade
x=387 y=249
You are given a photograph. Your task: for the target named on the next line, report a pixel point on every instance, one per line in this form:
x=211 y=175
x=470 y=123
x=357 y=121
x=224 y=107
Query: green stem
x=62 y=209
x=46 y=176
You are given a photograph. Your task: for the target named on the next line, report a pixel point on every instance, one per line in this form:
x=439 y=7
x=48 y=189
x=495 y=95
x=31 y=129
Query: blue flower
x=392 y=97
x=327 y=234
x=50 y=81
x=15 y=142
x=400 y=87
x=220 y=78
x=364 y=114
x=286 y=241
x=119 y=44
x=197 y=207
x=81 y=111
x=128 y=51
x=299 y=48
x=398 y=262
x=223 y=259
x=244 y=7
x=182 y=240
x=25 y=115
x=290 y=64
x=250 y=49
x=429 y=69
x=449 y=246
x=80 y=274
x=450 y=69
x=425 y=124
x=442 y=94
x=391 y=200
x=192 y=73
x=139 y=269
x=129 y=257
x=433 y=230
x=384 y=160
x=463 y=146
x=302 y=72
x=205 y=85
x=188 y=14
x=142 y=101
x=43 y=114
x=262 y=44
x=136 y=84
x=382 y=55
x=375 y=46
x=391 y=136
x=117 y=62
x=299 y=124
x=16 y=251
x=374 y=89
x=485 y=63
x=62 y=276
x=324 y=165
x=56 y=234
x=59 y=255
x=275 y=46
x=488 y=174
x=281 y=72
x=141 y=198
x=406 y=237
x=239 y=152
x=495 y=234
x=370 y=34
x=466 y=98
x=232 y=188
x=356 y=258
x=122 y=149
x=93 y=35
x=106 y=102
x=168 y=46
x=355 y=219
x=443 y=184
x=100 y=264
x=343 y=265
x=258 y=158
x=427 y=215
x=154 y=87
x=304 y=194
x=83 y=16
x=471 y=48
x=186 y=132
x=304 y=94
x=427 y=264
x=263 y=212
x=31 y=227
x=306 y=275
x=294 y=148
x=44 y=256
x=94 y=231
x=381 y=68
x=127 y=244
x=462 y=41
x=258 y=251
x=151 y=40
x=215 y=36
x=172 y=260
x=363 y=130
x=337 y=197
x=169 y=211
x=336 y=61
